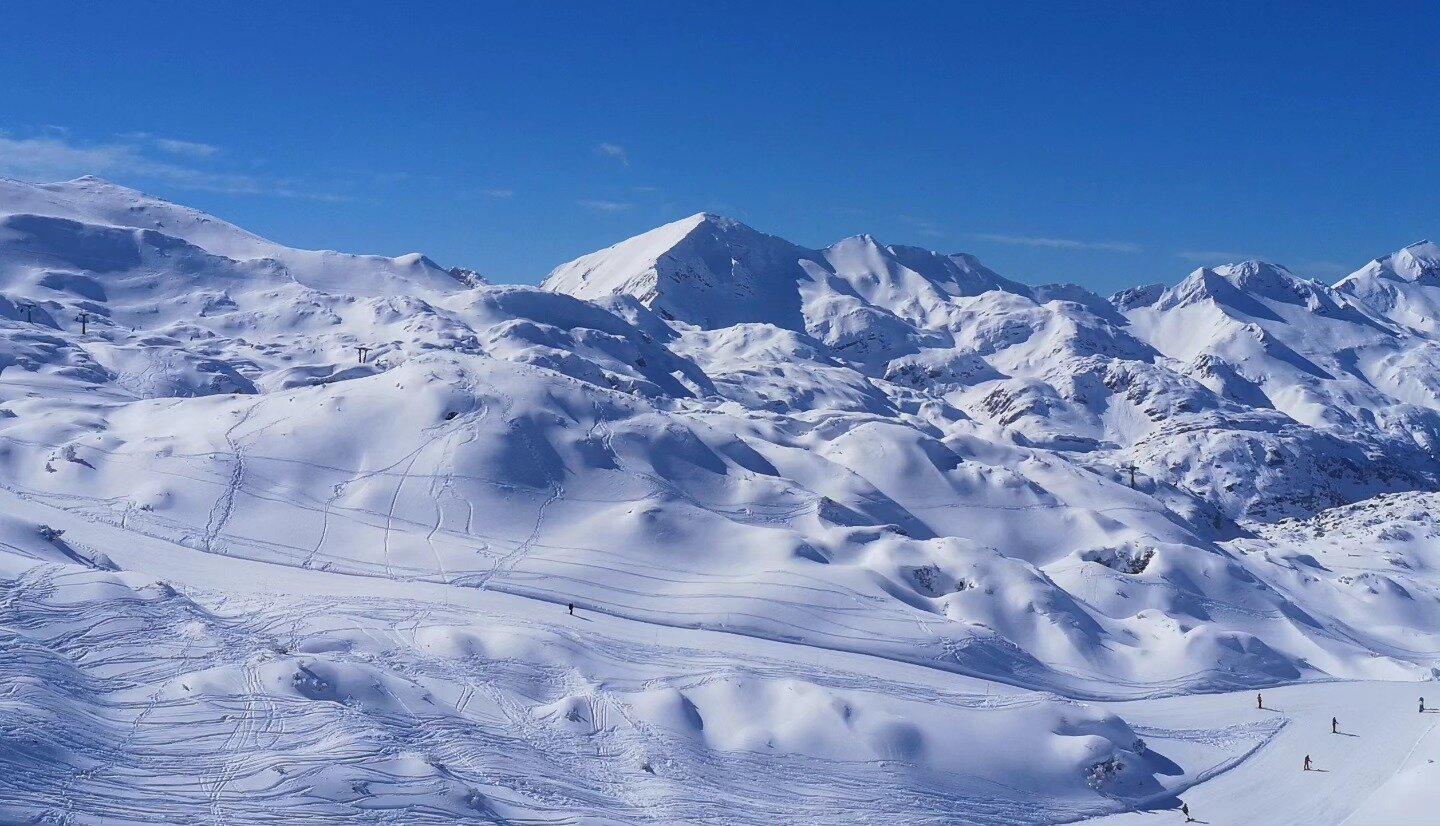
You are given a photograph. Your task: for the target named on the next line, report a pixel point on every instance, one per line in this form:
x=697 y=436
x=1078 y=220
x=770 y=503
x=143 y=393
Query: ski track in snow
x=225 y=505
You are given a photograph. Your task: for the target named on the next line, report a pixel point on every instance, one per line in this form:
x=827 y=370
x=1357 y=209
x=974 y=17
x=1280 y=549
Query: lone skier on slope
x=1185 y=810
x=572 y=609
x=1307 y=762
x=1334 y=726
x=1259 y=700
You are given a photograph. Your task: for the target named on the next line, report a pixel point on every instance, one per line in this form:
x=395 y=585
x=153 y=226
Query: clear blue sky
x=1102 y=143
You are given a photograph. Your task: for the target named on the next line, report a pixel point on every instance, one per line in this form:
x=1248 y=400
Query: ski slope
x=861 y=534
x=263 y=689
x=1371 y=772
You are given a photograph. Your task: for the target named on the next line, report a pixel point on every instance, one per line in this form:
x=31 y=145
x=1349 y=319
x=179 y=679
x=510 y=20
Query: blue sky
x=1107 y=144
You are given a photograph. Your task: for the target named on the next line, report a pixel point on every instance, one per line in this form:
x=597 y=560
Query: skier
x=572 y=609
x=1334 y=726
x=1185 y=810
x=1307 y=762
x=1259 y=700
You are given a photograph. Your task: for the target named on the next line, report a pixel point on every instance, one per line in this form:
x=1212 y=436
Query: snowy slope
x=848 y=531
x=1404 y=286
x=85 y=220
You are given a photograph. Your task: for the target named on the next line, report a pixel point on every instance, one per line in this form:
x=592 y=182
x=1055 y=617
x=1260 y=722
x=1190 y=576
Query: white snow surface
x=867 y=534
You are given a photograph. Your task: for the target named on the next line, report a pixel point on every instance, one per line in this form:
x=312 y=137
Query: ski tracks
x=225 y=506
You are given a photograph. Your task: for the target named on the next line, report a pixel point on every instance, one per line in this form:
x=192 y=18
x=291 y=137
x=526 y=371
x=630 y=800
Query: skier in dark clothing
x=1334 y=726
x=1259 y=700
x=1185 y=810
x=1307 y=762
x=572 y=609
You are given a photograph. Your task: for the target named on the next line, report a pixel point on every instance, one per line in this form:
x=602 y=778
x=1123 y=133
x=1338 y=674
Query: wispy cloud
x=614 y=150
x=1060 y=243
x=498 y=193
x=55 y=155
x=605 y=206
x=1213 y=256
x=190 y=148
x=923 y=226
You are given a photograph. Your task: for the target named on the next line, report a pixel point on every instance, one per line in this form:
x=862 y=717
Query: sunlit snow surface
x=849 y=532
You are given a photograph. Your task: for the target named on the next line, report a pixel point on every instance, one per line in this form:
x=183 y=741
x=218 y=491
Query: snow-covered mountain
x=838 y=523
x=1404 y=286
x=1315 y=395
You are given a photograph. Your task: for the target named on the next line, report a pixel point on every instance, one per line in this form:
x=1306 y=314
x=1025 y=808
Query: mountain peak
x=416 y=259
x=1257 y=275
x=1418 y=263
x=714 y=271
x=94 y=183
x=1238 y=285
x=715 y=220
x=705 y=269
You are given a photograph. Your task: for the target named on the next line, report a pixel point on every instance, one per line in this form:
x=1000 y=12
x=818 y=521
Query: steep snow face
x=910 y=282
x=771 y=478
x=704 y=270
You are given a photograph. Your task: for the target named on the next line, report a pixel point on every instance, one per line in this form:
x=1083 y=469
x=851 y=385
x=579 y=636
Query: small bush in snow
x=1103 y=773
x=925 y=577
x=306 y=680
